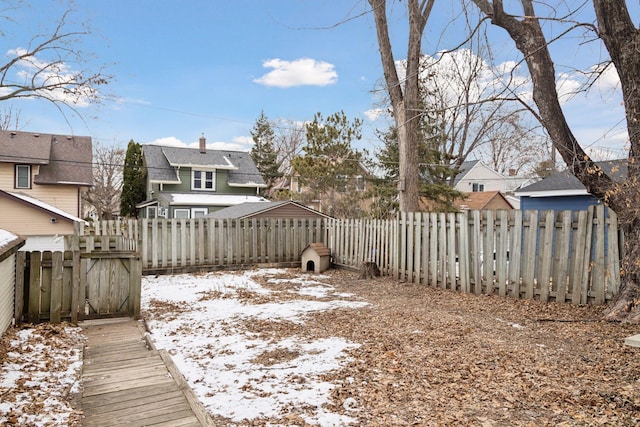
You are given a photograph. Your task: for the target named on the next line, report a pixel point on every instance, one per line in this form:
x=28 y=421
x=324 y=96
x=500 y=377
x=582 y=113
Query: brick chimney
x=203 y=144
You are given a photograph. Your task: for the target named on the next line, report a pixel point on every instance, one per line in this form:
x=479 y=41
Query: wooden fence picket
x=550 y=256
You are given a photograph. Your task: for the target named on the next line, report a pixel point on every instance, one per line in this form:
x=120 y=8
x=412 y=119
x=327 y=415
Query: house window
x=181 y=213
x=360 y=184
x=199 y=212
x=202 y=180
x=152 y=212
x=477 y=187
x=23 y=176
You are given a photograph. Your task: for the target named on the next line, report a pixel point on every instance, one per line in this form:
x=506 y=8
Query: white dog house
x=316 y=258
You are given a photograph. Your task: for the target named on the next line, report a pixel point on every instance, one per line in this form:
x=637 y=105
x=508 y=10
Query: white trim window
x=199 y=212
x=23 y=176
x=477 y=188
x=152 y=212
x=181 y=213
x=204 y=180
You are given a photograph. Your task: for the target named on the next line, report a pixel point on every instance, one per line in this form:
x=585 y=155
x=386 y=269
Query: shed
x=260 y=210
x=316 y=257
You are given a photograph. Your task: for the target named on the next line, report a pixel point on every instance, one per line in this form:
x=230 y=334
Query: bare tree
x=404 y=95
x=104 y=195
x=51 y=66
x=9 y=119
x=622 y=41
x=466 y=95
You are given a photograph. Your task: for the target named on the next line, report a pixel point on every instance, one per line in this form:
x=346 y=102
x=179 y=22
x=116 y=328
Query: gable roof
x=62 y=159
x=40 y=205
x=246 y=210
x=481 y=199
x=468 y=166
x=162 y=161
x=465 y=168
x=565 y=183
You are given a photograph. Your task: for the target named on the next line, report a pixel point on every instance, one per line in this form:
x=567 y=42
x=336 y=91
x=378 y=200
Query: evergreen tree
x=133 y=185
x=263 y=152
x=434 y=171
x=329 y=166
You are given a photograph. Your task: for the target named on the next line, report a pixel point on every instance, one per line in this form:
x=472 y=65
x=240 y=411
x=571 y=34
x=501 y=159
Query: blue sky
x=184 y=68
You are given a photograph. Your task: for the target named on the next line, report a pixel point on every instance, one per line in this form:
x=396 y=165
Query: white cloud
x=241 y=143
x=374 y=114
x=169 y=141
x=55 y=74
x=301 y=72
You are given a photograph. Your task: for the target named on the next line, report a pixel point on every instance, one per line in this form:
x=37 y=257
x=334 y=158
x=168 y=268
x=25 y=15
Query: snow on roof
x=6 y=237
x=212 y=199
x=46 y=206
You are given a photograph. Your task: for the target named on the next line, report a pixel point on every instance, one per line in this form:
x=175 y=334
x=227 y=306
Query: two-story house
x=42 y=177
x=193 y=182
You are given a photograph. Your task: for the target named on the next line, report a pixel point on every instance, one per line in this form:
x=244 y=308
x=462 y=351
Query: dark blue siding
x=559 y=203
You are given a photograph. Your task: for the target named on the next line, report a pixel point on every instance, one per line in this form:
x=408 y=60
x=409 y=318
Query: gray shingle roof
x=565 y=180
x=158 y=167
x=244 y=209
x=63 y=159
x=465 y=167
x=160 y=161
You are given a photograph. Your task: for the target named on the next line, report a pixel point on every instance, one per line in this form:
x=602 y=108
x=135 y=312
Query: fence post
x=19 y=286
x=77 y=286
x=56 y=287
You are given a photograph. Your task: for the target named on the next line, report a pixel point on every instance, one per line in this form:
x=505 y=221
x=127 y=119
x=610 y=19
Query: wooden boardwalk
x=127 y=382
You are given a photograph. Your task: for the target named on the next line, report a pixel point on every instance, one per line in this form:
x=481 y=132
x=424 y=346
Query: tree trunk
x=405 y=105
x=369 y=270
x=622 y=40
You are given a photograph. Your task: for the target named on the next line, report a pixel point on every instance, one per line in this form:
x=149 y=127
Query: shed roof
x=481 y=199
x=566 y=181
x=246 y=210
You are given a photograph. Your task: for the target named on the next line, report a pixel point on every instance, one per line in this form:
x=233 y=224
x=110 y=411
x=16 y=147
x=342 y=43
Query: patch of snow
x=221 y=360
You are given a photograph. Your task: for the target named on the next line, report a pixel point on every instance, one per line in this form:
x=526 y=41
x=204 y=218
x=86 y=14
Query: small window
x=202 y=180
x=181 y=213
x=23 y=176
x=477 y=187
x=360 y=184
x=152 y=212
x=199 y=212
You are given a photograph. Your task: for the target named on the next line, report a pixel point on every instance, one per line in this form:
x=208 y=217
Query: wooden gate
x=70 y=286
x=111 y=284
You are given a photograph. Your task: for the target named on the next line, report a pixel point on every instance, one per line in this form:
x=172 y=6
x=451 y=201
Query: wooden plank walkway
x=128 y=382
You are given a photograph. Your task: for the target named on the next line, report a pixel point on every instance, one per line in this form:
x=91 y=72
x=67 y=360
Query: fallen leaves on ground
x=39 y=375
x=432 y=357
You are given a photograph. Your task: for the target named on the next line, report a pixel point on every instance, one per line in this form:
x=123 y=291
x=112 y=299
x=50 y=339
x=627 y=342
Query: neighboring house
x=475 y=176
x=481 y=200
x=260 y=210
x=9 y=244
x=485 y=200
x=42 y=177
x=193 y=182
x=563 y=191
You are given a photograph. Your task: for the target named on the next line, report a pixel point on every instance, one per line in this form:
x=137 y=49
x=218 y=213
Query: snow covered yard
x=39 y=376
x=239 y=339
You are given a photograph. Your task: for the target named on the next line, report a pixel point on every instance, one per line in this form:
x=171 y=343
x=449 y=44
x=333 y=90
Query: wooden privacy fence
x=72 y=286
x=182 y=244
x=567 y=256
x=563 y=256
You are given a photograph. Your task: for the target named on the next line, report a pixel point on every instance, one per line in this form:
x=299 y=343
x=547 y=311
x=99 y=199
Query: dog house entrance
x=311 y=266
